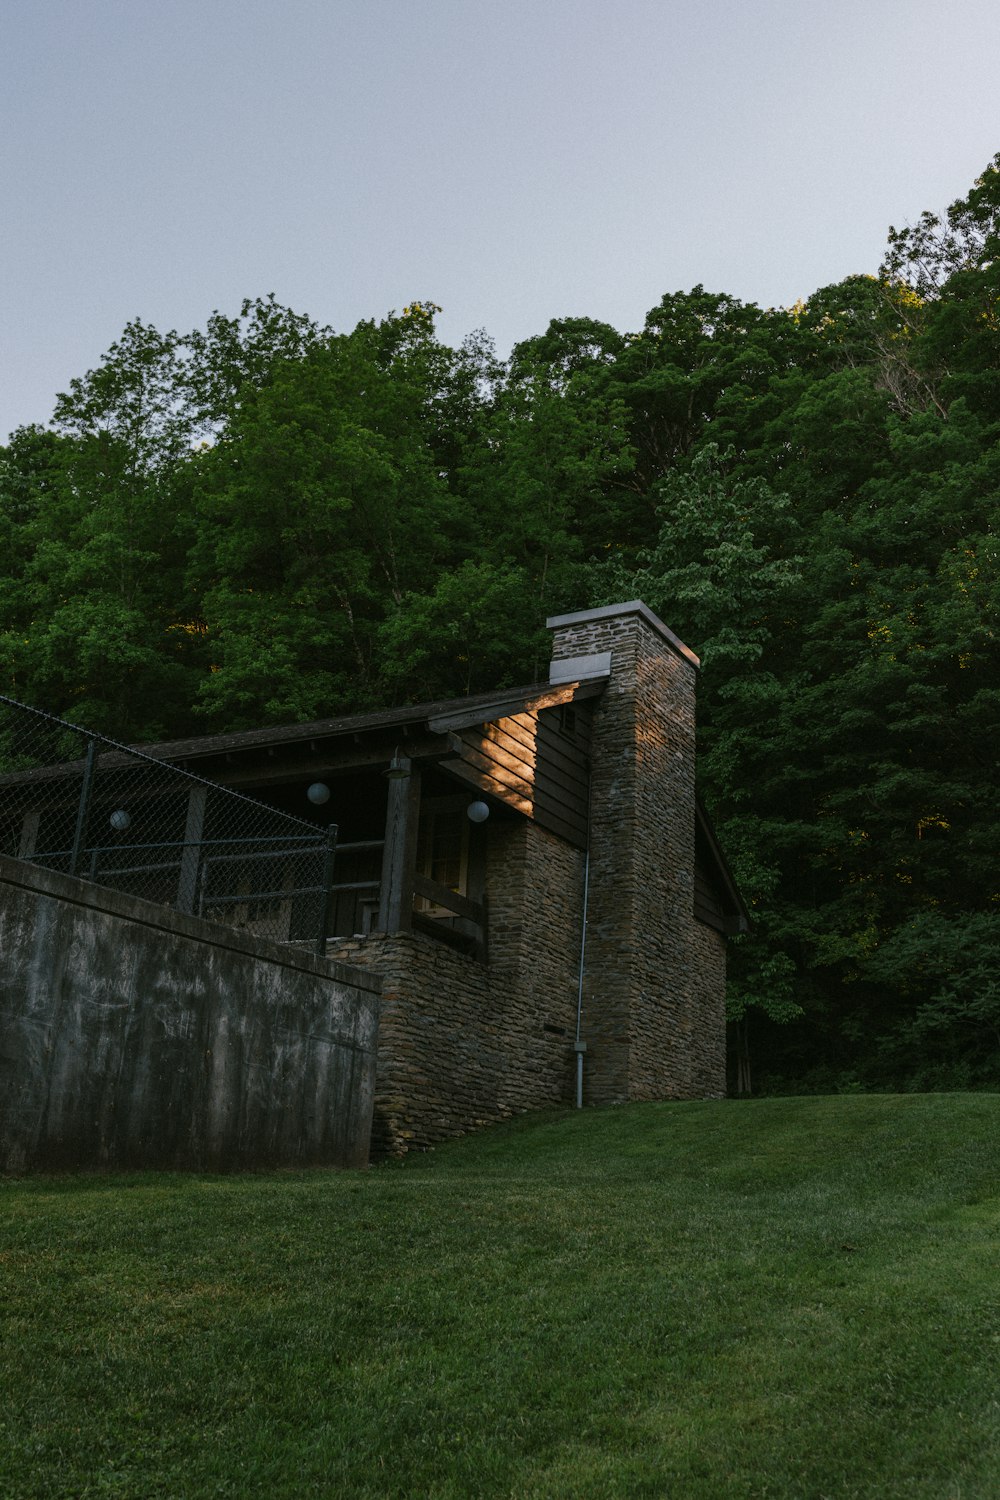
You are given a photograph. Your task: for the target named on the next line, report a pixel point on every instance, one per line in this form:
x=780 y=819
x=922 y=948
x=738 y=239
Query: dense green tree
x=231 y=358
x=318 y=512
x=29 y=473
x=477 y=628
x=91 y=583
x=927 y=255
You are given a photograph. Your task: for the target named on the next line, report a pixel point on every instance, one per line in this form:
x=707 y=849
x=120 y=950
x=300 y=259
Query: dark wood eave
x=469 y=712
x=417 y=730
x=736 y=911
x=435 y=718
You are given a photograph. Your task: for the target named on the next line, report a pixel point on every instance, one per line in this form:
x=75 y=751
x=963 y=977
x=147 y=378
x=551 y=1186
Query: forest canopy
x=266 y=521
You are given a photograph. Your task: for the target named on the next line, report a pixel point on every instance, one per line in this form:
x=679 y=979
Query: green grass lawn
x=791 y=1297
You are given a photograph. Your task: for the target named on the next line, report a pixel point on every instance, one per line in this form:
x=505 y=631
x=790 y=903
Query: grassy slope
x=781 y=1298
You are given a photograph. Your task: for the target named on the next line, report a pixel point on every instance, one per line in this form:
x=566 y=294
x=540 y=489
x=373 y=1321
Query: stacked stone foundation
x=462 y=1043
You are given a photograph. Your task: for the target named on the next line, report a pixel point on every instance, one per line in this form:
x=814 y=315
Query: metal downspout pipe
x=580 y=1046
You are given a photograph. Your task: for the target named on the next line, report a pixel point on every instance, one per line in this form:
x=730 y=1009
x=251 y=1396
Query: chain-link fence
x=79 y=803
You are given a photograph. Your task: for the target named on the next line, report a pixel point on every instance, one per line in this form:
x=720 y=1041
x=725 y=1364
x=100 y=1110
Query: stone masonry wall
x=707 y=1041
x=653 y=984
x=536 y=916
x=463 y=1044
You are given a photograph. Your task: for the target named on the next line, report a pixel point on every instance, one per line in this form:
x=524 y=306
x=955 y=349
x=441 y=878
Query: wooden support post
x=194 y=832
x=399 y=857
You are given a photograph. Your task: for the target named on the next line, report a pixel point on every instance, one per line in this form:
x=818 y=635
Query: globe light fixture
x=477 y=812
x=318 y=793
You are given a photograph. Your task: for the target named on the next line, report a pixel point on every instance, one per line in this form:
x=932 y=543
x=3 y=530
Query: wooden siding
x=717 y=901
x=707 y=904
x=530 y=762
x=563 y=784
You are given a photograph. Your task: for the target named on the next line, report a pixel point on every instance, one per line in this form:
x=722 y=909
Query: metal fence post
x=327 y=882
x=194 y=833
x=83 y=810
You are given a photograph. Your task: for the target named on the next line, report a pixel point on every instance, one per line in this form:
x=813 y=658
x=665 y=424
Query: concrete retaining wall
x=133 y=1036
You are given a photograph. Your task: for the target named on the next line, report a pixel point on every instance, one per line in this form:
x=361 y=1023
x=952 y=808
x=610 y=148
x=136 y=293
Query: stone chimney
x=640 y=1005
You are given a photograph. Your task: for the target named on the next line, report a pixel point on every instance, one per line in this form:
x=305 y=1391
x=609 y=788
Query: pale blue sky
x=511 y=161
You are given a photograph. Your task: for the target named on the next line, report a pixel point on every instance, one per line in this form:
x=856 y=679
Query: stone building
x=530 y=875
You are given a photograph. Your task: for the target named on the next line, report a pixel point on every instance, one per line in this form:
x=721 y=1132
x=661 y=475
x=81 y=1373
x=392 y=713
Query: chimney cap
x=617 y=611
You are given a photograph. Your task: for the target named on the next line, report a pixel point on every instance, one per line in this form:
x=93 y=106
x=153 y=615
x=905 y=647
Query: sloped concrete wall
x=133 y=1036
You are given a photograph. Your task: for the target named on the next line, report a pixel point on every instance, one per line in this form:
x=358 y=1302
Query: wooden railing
x=472 y=936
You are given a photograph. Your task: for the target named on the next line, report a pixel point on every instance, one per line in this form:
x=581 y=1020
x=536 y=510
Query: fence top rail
x=305 y=846
x=120 y=755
